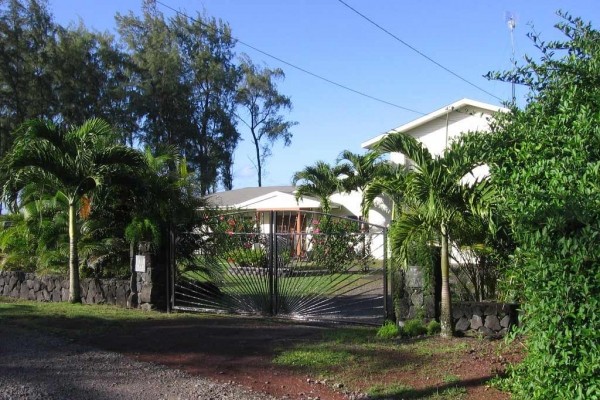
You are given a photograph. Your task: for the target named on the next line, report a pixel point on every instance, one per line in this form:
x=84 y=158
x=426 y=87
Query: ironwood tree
x=260 y=106
x=185 y=81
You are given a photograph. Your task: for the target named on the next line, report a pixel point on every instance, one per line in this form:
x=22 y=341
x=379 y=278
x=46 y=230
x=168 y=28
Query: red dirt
x=241 y=350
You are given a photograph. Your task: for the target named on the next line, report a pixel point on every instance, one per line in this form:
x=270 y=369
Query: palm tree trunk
x=447 y=329
x=74 y=288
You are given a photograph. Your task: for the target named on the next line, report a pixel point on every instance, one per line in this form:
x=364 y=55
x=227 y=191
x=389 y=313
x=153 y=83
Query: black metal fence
x=291 y=264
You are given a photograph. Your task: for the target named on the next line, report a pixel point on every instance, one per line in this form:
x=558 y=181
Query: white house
x=435 y=130
x=438 y=128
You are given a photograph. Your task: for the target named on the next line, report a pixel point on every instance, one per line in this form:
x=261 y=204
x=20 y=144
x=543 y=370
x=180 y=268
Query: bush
x=545 y=164
x=388 y=330
x=256 y=258
x=413 y=327
x=335 y=243
x=433 y=327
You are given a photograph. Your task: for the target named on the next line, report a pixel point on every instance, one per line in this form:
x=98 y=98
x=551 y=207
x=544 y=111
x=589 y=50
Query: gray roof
x=237 y=196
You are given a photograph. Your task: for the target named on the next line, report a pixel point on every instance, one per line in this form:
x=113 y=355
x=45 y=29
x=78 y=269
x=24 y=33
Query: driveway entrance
x=290 y=264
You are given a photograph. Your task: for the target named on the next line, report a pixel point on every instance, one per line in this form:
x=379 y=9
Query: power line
x=417 y=51
x=297 y=67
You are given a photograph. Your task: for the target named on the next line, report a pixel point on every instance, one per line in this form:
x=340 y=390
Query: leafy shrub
x=249 y=257
x=335 y=243
x=388 y=330
x=413 y=327
x=433 y=327
x=545 y=164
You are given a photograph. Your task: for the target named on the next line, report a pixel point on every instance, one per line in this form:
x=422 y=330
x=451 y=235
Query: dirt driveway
x=240 y=351
x=227 y=349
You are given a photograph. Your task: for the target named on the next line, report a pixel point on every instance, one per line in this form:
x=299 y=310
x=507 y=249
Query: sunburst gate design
x=291 y=264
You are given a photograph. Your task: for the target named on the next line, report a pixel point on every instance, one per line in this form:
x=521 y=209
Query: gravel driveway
x=36 y=366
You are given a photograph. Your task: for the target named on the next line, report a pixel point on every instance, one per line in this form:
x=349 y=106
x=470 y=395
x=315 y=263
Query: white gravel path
x=37 y=366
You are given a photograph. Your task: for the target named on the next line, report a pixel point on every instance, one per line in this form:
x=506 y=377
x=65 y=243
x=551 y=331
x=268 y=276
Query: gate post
x=272 y=240
x=386 y=300
x=170 y=278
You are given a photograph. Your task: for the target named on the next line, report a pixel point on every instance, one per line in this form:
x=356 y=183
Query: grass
x=357 y=355
x=386 y=391
x=450 y=378
x=315 y=358
x=389 y=330
x=297 y=285
x=453 y=393
x=75 y=319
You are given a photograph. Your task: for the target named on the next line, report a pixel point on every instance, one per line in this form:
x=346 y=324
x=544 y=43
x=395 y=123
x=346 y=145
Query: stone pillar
x=399 y=294
x=152 y=282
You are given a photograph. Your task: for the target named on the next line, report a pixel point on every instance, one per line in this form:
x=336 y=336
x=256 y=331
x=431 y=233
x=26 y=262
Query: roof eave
x=431 y=116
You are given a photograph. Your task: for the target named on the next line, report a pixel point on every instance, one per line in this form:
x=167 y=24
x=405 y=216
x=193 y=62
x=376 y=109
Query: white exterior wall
x=435 y=136
x=379 y=214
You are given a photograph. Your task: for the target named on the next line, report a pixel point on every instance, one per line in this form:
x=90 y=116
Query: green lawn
x=76 y=319
x=244 y=284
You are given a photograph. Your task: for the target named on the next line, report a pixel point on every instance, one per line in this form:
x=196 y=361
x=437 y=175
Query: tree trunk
x=447 y=329
x=132 y=300
x=258 y=163
x=74 y=286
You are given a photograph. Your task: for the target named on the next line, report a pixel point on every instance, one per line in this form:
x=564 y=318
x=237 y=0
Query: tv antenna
x=511 y=21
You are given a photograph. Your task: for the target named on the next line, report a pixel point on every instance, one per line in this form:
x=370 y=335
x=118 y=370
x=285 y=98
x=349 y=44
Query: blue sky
x=325 y=37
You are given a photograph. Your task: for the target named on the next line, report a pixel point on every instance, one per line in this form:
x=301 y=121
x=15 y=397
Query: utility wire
x=297 y=67
x=417 y=51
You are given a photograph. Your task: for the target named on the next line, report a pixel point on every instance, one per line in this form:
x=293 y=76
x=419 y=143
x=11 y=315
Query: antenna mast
x=511 y=21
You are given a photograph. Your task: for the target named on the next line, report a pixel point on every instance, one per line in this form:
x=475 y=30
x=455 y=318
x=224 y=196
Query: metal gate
x=292 y=264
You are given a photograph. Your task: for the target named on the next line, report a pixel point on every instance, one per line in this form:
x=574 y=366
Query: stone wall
x=414 y=297
x=487 y=318
x=28 y=286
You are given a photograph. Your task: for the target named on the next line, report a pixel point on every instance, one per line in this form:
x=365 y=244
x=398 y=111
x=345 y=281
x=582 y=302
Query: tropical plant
x=363 y=169
x=545 y=163
x=71 y=163
x=435 y=201
x=320 y=180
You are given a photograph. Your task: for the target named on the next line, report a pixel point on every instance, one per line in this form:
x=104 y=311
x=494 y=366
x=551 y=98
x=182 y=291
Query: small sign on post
x=140 y=263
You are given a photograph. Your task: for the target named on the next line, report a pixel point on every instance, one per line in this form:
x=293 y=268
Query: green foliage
x=413 y=327
x=335 y=242
x=229 y=232
x=78 y=74
x=545 y=162
x=142 y=229
x=185 y=83
x=319 y=357
x=159 y=81
x=249 y=257
x=68 y=165
x=320 y=180
x=450 y=378
x=436 y=204
x=433 y=327
x=388 y=330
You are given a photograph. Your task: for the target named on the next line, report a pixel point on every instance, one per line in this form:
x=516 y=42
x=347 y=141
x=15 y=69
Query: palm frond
x=409 y=146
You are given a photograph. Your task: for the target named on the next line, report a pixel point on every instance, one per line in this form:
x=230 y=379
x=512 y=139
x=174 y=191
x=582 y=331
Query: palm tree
x=435 y=201
x=320 y=180
x=389 y=181
x=71 y=163
x=363 y=169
